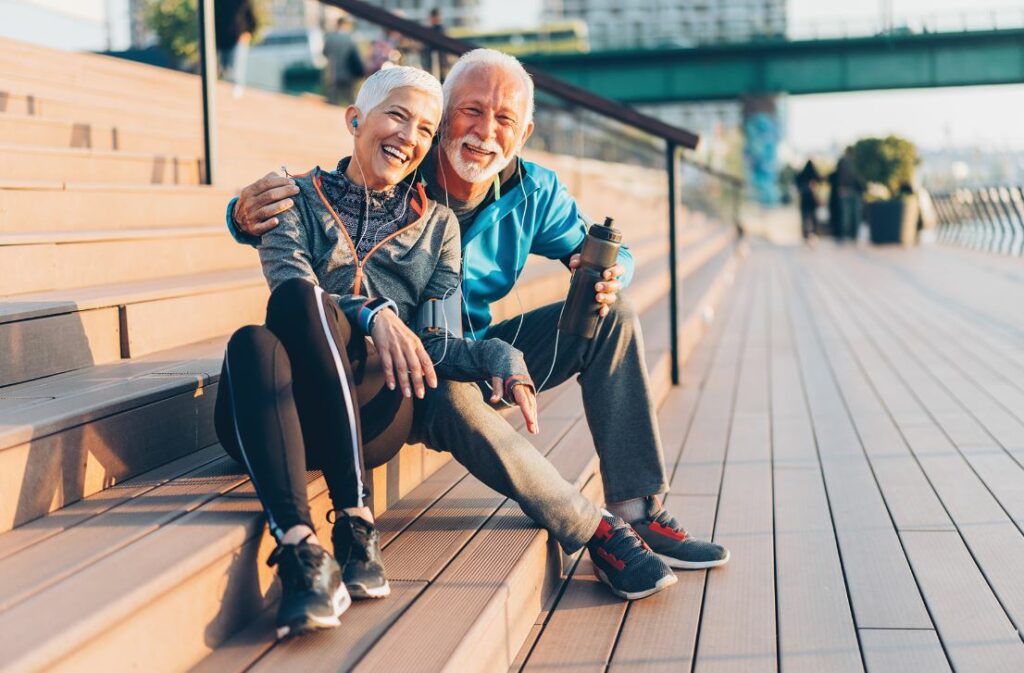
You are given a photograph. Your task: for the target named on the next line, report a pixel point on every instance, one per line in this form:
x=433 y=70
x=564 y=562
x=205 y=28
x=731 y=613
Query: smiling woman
x=393 y=133
x=328 y=383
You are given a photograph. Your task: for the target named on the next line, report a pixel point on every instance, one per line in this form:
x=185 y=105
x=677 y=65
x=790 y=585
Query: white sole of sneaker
x=664 y=583
x=341 y=602
x=677 y=564
x=360 y=591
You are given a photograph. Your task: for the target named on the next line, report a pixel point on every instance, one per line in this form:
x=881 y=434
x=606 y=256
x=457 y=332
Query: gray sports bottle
x=600 y=251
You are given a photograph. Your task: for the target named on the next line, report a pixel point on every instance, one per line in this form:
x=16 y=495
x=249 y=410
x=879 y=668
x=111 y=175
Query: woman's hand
x=402 y=355
x=524 y=396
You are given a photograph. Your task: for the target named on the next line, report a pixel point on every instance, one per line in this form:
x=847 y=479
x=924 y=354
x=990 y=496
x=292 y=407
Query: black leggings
x=289 y=396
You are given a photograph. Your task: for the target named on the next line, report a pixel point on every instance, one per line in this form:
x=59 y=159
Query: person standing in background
x=235 y=23
x=807 y=185
x=344 y=64
x=435 y=60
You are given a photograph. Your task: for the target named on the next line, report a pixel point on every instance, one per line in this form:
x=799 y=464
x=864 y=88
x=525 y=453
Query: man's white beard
x=472 y=171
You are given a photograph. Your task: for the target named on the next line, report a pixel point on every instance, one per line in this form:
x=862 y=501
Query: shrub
x=886 y=161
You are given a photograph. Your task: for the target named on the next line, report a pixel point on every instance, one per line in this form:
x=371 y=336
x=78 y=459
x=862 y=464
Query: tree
x=176 y=28
x=888 y=161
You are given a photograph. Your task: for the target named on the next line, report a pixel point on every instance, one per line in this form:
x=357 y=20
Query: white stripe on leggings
x=275 y=530
x=345 y=391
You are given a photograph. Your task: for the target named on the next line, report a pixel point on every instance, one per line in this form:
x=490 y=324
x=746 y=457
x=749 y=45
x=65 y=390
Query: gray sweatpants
x=456 y=417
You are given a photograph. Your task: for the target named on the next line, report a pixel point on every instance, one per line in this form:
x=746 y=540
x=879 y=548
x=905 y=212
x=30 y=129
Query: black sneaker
x=357 y=548
x=312 y=593
x=667 y=538
x=625 y=563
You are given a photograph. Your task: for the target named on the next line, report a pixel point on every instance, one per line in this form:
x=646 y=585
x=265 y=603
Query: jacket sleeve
x=285 y=254
x=240 y=237
x=459 y=359
x=561 y=228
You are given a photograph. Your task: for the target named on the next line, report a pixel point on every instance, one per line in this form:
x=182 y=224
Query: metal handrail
x=987 y=218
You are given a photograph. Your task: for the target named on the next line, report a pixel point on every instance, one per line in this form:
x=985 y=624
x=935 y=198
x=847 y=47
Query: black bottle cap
x=606 y=231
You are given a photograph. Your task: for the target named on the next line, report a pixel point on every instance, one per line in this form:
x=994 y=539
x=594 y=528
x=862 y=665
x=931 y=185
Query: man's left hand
x=607 y=288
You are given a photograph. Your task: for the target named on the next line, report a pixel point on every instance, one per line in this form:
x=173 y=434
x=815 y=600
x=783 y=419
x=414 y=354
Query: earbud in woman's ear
x=355 y=123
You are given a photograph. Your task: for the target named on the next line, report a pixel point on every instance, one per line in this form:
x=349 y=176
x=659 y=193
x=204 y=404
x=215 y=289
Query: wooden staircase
x=128 y=540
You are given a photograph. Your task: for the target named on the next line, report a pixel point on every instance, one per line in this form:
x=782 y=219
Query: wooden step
x=223 y=531
x=24 y=162
x=89 y=206
x=187 y=568
x=473 y=603
x=43 y=261
x=53 y=332
x=484 y=600
x=69 y=436
x=275 y=144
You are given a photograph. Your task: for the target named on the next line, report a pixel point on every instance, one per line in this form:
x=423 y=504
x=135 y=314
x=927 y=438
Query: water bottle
x=600 y=251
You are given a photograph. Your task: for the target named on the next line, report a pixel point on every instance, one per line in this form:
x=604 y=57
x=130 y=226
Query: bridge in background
x=770 y=66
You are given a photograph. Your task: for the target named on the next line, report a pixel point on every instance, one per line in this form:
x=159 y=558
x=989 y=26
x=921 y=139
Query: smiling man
x=509 y=208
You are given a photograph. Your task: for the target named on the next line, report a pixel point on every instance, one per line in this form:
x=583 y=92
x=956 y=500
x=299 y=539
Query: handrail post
x=208 y=77
x=673 y=272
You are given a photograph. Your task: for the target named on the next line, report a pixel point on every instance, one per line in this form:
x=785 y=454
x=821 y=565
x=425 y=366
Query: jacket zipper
x=358 y=282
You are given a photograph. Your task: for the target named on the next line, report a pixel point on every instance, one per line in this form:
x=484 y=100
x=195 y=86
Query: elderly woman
x=360 y=251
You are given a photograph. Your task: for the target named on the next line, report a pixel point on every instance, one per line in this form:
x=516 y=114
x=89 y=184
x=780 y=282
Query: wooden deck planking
x=944 y=336
x=903 y=651
x=986 y=528
x=882 y=588
x=815 y=621
x=976 y=407
x=925 y=306
x=659 y=633
x=738 y=625
x=583 y=629
x=973 y=628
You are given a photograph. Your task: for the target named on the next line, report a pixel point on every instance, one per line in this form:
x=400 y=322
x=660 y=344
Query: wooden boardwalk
x=852 y=428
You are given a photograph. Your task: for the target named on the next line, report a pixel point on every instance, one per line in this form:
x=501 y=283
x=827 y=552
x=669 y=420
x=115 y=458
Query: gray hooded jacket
x=420 y=261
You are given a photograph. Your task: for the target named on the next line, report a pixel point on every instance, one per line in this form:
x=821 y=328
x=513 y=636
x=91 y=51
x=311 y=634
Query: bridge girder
x=724 y=72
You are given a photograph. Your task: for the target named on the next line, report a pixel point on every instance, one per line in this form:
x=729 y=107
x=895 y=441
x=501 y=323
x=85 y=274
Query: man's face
x=485 y=124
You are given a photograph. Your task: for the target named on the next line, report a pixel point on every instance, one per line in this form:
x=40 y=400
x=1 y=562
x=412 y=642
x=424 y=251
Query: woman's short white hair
x=490 y=57
x=380 y=84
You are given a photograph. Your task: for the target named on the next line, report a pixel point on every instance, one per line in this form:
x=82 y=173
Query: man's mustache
x=479 y=143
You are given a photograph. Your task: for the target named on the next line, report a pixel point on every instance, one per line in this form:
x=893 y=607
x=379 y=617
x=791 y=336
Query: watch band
x=368 y=312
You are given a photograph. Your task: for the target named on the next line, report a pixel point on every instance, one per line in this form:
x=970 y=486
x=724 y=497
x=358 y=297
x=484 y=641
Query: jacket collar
x=509 y=202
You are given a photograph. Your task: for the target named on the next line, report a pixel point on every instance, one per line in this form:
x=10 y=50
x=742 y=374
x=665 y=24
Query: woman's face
x=392 y=139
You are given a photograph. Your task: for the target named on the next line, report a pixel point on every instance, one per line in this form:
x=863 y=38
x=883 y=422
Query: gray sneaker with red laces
x=672 y=544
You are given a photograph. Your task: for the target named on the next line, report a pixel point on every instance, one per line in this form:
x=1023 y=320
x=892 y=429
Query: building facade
x=454 y=13
x=648 y=23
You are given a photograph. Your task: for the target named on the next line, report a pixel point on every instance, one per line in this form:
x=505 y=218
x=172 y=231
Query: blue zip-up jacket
x=537 y=216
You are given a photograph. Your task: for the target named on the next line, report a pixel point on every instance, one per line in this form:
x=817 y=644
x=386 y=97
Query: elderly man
x=507 y=209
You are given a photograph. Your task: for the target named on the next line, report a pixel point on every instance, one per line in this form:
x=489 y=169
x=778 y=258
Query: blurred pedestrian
x=847 y=189
x=233 y=26
x=344 y=64
x=807 y=186
x=435 y=60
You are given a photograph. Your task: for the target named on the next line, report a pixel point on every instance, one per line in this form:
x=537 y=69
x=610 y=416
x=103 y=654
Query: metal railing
x=673 y=139
x=982 y=218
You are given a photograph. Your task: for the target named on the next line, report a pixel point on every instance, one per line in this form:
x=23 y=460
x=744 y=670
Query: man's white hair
x=490 y=57
x=380 y=84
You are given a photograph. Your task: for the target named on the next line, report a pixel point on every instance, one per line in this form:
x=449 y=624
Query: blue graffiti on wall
x=760 y=152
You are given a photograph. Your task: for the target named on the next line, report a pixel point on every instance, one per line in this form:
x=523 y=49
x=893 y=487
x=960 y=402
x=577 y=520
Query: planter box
x=894 y=221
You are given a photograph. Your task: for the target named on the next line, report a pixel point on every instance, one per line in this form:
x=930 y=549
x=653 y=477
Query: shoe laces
x=666 y=520
x=361 y=537
x=299 y=563
x=625 y=544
